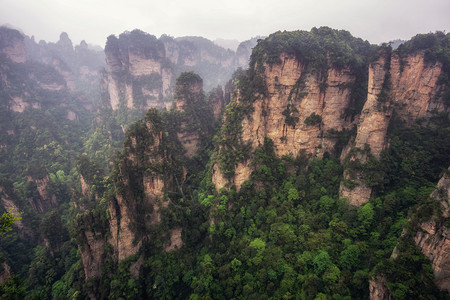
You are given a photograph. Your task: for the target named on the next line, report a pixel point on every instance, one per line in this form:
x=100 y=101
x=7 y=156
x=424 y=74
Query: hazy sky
x=93 y=20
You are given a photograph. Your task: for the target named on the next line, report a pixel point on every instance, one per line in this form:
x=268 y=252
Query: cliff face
x=45 y=201
x=188 y=94
x=433 y=237
x=137 y=74
x=295 y=95
x=132 y=212
x=244 y=51
x=329 y=102
x=12 y=45
x=371 y=132
x=217 y=102
x=405 y=86
x=415 y=87
x=147 y=179
x=124 y=209
x=29 y=69
x=378 y=289
x=92 y=253
x=79 y=66
x=305 y=110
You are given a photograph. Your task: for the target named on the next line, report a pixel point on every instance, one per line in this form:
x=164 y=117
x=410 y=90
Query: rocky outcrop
x=130 y=211
x=64 y=70
x=189 y=92
x=141 y=69
x=85 y=189
x=78 y=66
x=5 y=272
x=9 y=203
x=45 y=201
x=123 y=238
x=137 y=75
x=415 y=87
x=91 y=254
x=378 y=289
x=297 y=112
x=244 y=51
x=216 y=101
x=433 y=237
x=154 y=168
x=175 y=241
x=11 y=207
x=371 y=132
x=405 y=86
x=12 y=45
x=303 y=109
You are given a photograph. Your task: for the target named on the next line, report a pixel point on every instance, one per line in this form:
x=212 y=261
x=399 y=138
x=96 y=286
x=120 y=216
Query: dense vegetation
x=286 y=233
x=321 y=47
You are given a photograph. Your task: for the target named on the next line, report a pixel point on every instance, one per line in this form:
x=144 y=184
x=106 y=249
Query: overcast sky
x=93 y=20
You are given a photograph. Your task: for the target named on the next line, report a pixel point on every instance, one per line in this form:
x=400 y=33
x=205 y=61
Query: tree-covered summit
x=319 y=48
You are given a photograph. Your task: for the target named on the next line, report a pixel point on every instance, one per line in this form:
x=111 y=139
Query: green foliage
x=288 y=114
x=53 y=230
x=313 y=119
x=312 y=48
x=409 y=275
x=231 y=148
x=139 y=41
x=371 y=172
x=6 y=221
x=188 y=78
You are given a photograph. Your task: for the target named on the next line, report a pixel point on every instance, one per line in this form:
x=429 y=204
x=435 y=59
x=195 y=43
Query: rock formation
x=151 y=170
x=378 y=289
x=433 y=237
x=44 y=201
x=295 y=95
x=5 y=272
x=189 y=92
x=306 y=110
x=407 y=86
x=12 y=45
x=141 y=69
x=244 y=51
x=217 y=102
